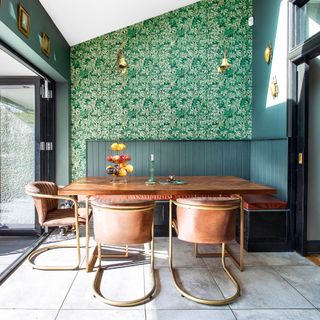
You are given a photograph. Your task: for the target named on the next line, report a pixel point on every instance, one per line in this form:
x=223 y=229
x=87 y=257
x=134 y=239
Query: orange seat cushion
x=107 y=201
x=262 y=202
x=64 y=217
x=209 y=201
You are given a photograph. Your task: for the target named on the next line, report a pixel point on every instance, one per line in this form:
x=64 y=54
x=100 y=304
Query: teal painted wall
x=268 y=23
x=269 y=148
x=269 y=164
x=57 y=66
x=172 y=90
x=62 y=133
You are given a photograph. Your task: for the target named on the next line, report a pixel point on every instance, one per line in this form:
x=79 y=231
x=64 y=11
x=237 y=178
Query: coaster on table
x=173 y=182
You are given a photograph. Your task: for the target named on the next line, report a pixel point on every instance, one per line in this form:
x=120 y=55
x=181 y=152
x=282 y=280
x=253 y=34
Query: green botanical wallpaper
x=172 y=89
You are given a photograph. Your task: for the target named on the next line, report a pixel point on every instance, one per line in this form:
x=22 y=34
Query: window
x=307 y=21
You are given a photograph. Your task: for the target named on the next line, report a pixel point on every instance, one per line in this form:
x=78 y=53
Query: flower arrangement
x=120 y=167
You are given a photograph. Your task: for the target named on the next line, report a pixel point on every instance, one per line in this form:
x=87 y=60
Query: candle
x=152 y=157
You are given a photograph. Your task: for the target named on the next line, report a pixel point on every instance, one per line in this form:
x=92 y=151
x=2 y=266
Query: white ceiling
x=10 y=67
x=20 y=94
x=81 y=20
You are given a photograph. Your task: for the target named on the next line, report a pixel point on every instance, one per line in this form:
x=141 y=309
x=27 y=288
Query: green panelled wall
x=172 y=90
x=236 y=158
x=193 y=158
x=269 y=164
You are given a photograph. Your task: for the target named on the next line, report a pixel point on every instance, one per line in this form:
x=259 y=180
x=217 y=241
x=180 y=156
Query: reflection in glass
x=308 y=20
x=17 y=136
x=313 y=218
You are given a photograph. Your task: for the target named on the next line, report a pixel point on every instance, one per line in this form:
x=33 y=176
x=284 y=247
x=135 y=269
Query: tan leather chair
x=122 y=222
x=44 y=194
x=209 y=220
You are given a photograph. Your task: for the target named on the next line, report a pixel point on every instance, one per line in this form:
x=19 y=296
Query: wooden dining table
x=137 y=188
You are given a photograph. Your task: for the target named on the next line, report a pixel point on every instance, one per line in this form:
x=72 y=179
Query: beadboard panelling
x=176 y=157
x=269 y=164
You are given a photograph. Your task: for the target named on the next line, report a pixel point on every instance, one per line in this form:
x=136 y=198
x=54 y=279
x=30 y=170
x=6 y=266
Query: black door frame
x=298 y=103
x=35 y=81
x=44 y=130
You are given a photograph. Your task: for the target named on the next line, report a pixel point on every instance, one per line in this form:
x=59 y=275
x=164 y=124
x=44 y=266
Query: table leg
x=241 y=233
x=170 y=234
x=87 y=233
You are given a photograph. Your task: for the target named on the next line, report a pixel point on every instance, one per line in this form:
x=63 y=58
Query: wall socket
x=251 y=21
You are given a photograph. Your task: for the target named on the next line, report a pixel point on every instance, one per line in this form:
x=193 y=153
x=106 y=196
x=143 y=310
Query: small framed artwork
x=45 y=44
x=23 y=21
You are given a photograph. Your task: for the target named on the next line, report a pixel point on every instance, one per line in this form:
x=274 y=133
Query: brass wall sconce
x=121 y=60
x=274 y=88
x=268 y=53
x=224 y=64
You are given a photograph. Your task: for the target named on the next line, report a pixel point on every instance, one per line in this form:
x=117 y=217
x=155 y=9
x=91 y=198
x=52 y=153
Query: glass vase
x=118 y=180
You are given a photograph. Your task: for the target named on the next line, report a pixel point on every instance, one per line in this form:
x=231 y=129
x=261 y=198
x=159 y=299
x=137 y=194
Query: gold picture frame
x=45 y=44
x=23 y=20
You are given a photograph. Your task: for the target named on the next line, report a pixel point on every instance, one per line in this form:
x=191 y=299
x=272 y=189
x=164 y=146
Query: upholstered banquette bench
x=266 y=223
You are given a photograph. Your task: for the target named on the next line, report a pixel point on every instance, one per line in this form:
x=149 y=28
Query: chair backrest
x=122 y=221
x=43 y=205
x=209 y=220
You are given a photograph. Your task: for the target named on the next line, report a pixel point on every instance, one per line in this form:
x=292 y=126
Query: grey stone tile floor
x=282 y=286
x=12 y=247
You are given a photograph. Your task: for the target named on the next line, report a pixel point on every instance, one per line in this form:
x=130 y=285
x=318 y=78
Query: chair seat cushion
x=64 y=217
x=116 y=201
x=209 y=201
x=262 y=202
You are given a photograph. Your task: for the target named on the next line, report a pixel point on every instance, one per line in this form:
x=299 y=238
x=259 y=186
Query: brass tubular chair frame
x=238 y=262
x=97 y=280
x=92 y=261
x=226 y=270
x=37 y=252
x=228 y=253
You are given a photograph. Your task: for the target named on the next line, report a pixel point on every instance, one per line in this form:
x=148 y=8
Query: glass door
x=313 y=200
x=18 y=157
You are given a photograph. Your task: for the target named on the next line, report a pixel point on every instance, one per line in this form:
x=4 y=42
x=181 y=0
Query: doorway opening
x=27 y=135
x=303 y=120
